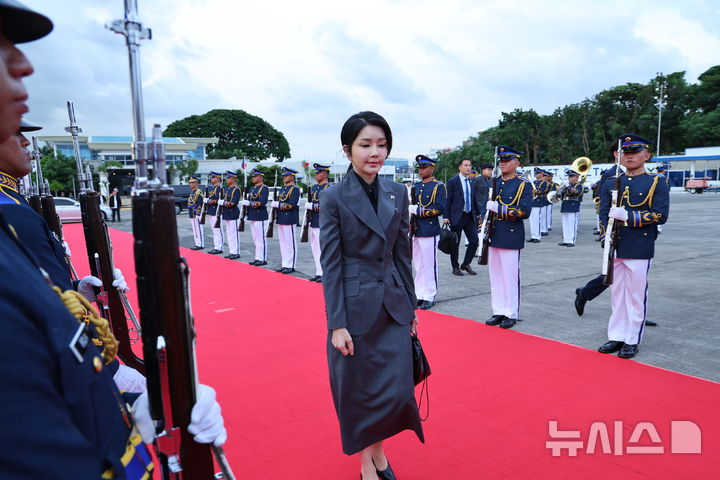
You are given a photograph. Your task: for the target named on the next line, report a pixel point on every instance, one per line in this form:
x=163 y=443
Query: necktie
x=468 y=208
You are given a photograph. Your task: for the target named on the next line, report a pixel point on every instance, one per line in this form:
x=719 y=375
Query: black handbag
x=421 y=367
x=448 y=238
x=421 y=372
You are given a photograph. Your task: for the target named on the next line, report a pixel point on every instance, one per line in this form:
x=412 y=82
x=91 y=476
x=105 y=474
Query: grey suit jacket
x=365 y=256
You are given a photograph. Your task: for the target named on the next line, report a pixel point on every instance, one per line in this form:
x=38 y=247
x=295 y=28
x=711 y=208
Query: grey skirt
x=373 y=390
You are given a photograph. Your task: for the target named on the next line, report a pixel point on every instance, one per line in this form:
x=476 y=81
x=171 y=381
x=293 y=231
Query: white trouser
x=218 y=239
x=549 y=216
x=504 y=270
x=315 y=247
x=659 y=227
x=257 y=227
x=233 y=236
x=543 y=218
x=198 y=230
x=628 y=299
x=570 y=222
x=425 y=262
x=535 y=222
x=288 y=245
x=597 y=222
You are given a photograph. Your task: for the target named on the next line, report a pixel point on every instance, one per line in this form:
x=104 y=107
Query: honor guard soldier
x=287 y=219
x=215 y=194
x=512 y=203
x=257 y=215
x=538 y=221
x=427 y=206
x=321 y=177
x=644 y=203
x=231 y=214
x=55 y=379
x=571 y=195
x=195 y=203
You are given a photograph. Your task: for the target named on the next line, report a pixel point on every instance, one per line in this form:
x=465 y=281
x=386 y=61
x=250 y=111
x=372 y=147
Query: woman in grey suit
x=369 y=298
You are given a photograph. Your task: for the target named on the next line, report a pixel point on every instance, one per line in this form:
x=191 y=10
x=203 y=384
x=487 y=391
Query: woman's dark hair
x=357 y=122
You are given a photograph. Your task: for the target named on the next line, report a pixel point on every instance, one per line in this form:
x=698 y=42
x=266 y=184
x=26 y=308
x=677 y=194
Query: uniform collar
x=8 y=181
x=636 y=172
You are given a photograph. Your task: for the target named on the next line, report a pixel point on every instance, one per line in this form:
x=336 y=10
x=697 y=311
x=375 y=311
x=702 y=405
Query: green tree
x=60 y=171
x=184 y=168
x=239 y=134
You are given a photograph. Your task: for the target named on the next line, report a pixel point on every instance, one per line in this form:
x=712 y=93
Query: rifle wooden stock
x=308 y=217
x=98 y=242
x=487 y=229
x=162 y=280
x=53 y=220
x=611 y=239
x=36 y=204
x=218 y=211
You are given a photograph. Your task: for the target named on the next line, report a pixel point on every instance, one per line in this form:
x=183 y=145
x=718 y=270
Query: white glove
x=618 y=213
x=119 y=281
x=221 y=202
x=245 y=203
x=492 y=206
x=87 y=285
x=68 y=253
x=308 y=205
x=413 y=209
x=129 y=380
x=275 y=204
x=205 y=200
x=206 y=421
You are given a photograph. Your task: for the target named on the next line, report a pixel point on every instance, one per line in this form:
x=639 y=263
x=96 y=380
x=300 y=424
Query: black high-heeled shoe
x=386 y=474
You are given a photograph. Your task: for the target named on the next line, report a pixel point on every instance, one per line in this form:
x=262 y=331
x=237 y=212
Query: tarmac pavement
x=683 y=296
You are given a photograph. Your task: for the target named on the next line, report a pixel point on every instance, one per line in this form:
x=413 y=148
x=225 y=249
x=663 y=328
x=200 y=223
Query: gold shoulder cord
x=83 y=311
x=432 y=197
x=648 y=199
x=516 y=199
x=287 y=194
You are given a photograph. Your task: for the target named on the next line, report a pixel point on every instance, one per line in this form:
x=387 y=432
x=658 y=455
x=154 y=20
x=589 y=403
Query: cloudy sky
x=438 y=70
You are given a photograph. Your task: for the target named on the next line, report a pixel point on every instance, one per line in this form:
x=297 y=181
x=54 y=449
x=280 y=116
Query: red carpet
x=261 y=344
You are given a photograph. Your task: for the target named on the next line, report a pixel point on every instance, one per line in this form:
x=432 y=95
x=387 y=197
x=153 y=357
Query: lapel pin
x=392 y=197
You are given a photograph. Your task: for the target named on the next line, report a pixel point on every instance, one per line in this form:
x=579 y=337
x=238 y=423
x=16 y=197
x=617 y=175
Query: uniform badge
x=80 y=341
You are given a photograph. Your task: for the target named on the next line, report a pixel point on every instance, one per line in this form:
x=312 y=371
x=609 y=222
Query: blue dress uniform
x=645 y=197
x=55 y=384
x=257 y=215
x=538 y=222
x=287 y=218
x=215 y=194
x=195 y=203
x=570 y=209
x=231 y=215
x=514 y=202
x=314 y=228
x=34 y=232
x=430 y=200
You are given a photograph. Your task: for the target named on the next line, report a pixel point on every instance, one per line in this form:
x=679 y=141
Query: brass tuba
x=581 y=165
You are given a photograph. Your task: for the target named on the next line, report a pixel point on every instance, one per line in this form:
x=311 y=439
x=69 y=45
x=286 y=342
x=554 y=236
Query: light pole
x=660 y=102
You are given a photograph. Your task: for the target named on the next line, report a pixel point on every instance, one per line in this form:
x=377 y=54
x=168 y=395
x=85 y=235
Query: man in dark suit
x=461 y=213
x=115 y=204
x=482 y=187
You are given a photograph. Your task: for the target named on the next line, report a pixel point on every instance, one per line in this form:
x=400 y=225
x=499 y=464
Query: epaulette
x=6 y=199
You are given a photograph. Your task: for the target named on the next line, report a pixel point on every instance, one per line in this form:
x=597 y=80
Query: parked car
x=181 y=194
x=69 y=210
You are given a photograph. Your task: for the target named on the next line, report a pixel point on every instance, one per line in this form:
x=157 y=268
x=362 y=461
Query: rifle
x=112 y=303
x=308 y=218
x=243 y=214
x=203 y=209
x=612 y=231
x=413 y=217
x=273 y=217
x=488 y=224
x=218 y=211
x=168 y=329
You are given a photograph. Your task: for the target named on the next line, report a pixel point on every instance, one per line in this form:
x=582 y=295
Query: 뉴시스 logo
x=685 y=437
